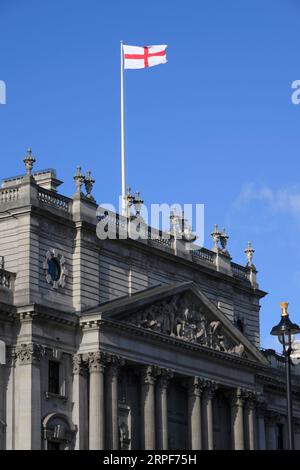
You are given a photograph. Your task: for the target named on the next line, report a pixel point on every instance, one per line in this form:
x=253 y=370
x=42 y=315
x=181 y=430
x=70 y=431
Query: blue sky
x=215 y=125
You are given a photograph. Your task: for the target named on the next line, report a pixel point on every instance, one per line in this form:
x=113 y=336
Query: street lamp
x=285 y=330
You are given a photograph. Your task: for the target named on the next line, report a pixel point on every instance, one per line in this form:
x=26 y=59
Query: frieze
x=180 y=317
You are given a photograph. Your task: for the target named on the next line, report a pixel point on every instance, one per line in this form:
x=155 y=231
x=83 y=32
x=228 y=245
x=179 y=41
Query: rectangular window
x=53 y=378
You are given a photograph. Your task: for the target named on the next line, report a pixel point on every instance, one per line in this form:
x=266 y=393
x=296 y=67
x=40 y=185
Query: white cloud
x=282 y=200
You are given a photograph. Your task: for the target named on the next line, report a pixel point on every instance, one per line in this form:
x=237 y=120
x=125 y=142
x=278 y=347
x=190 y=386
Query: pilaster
x=80 y=401
x=28 y=397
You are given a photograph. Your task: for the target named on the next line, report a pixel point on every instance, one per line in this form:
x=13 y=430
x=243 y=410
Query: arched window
x=58 y=432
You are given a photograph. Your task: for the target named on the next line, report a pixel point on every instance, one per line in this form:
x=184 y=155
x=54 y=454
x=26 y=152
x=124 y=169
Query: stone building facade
x=127 y=344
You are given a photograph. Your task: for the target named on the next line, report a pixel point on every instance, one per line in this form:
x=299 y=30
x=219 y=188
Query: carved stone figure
x=181 y=318
x=124 y=436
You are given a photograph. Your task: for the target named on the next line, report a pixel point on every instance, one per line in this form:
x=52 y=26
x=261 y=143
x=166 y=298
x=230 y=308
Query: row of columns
x=103 y=415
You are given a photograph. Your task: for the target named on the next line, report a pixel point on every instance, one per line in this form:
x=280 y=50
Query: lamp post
x=285 y=330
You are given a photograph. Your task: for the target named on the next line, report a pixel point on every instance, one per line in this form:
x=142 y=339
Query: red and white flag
x=142 y=57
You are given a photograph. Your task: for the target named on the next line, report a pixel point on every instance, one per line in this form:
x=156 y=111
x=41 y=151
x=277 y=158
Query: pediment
x=184 y=313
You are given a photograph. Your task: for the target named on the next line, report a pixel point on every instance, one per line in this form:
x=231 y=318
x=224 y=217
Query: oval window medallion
x=55 y=268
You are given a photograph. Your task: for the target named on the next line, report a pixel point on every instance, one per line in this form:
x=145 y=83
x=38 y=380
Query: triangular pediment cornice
x=182 y=312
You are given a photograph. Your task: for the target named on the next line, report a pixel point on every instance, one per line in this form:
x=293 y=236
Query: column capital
x=80 y=366
x=242 y=397
x=149 y=374
x=196 y=386
x=114 y=362
x=29 y=353
x=210 y=387
x=96 y=361
x=261 y=406
x=251 y=398
x=164 y=376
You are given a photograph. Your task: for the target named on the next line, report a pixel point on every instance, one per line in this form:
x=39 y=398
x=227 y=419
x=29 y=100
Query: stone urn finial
x=129 y=200
x=29 y=161
x=216 y=235
x=138 y=203
x=175 y=223
x=79 y=179
x=89 y=183
x=224 y=240
x=249 y=254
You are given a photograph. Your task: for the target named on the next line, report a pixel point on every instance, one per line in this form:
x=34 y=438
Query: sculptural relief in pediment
x=183 y=318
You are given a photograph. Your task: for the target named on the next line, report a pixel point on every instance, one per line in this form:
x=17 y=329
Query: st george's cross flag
x=143 y=57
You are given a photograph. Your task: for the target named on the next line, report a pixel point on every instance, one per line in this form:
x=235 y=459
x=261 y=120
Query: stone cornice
x=65 y=218
x=35 y=312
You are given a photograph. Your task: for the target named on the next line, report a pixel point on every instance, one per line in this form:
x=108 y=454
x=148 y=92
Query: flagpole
x=123 y=135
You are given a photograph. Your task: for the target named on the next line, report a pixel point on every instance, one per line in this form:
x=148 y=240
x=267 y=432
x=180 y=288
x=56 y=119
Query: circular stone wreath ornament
x=55 y=268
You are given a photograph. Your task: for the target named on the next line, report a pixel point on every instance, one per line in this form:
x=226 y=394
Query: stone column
x=80 y=400
x=28 y=397
x=260 y=413
x=195 y=388
x=148 y=408
x=162 y=408
x=96 y=402
x=237 y=419
x=271 y=436
x=10 y=392
x=208 y=424
x=251 y=421
x=111 y=396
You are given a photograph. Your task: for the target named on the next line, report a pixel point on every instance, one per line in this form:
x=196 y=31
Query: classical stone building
x=131 y=344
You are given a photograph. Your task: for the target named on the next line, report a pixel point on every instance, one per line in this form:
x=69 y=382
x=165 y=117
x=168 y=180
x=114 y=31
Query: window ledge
x=55 y=395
